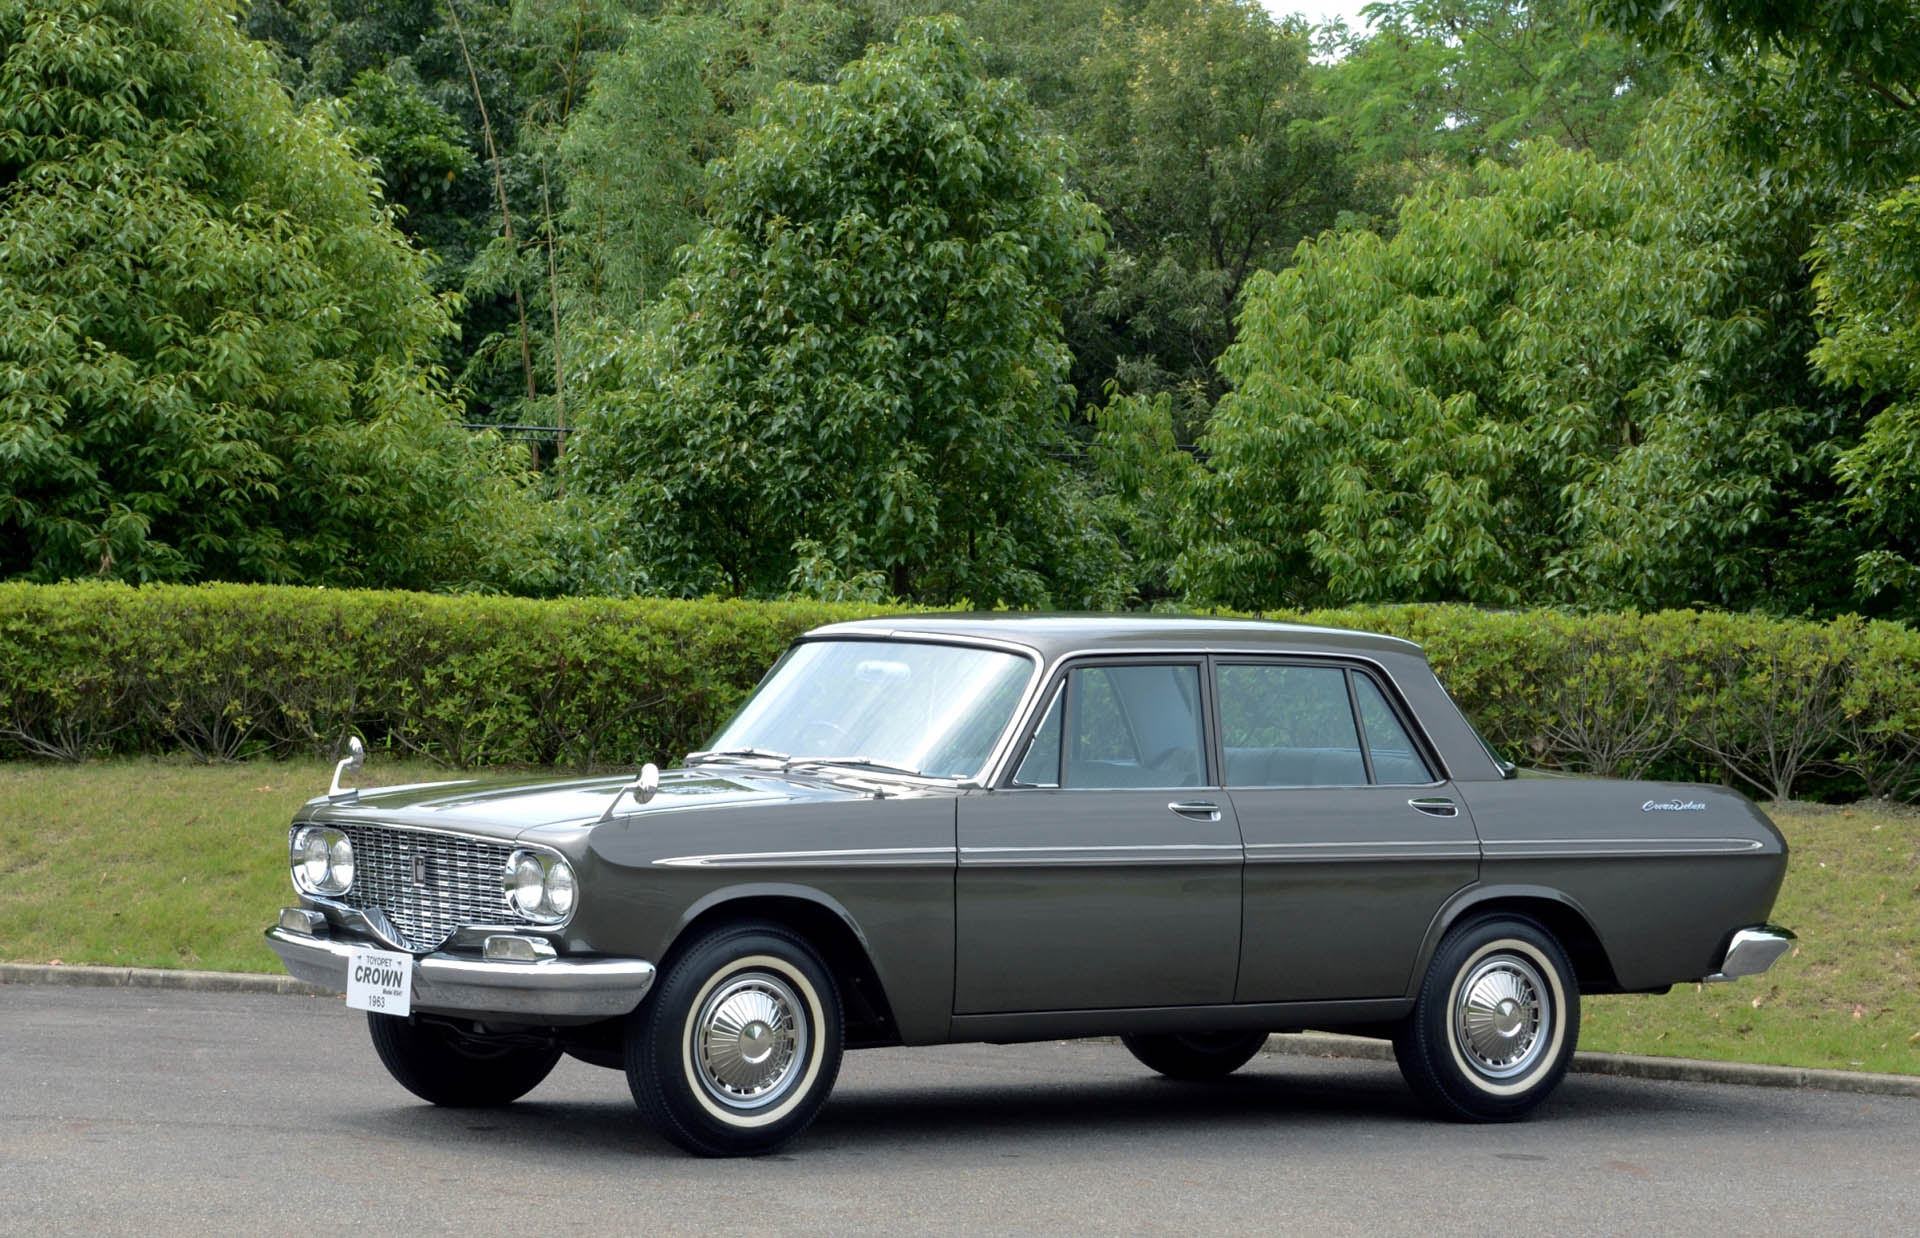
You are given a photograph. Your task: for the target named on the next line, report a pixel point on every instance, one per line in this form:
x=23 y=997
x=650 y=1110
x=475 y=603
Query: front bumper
x=1753 y=950
x=542 y=990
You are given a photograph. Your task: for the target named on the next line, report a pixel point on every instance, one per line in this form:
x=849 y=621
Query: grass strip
x=145 y=863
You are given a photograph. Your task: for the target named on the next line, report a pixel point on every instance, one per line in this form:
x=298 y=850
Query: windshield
x=917 y=708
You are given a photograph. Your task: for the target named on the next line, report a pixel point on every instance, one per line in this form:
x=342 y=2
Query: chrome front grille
x=428 y=884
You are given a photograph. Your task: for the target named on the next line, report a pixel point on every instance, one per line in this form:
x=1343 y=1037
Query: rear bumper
x=1752 y=951
x=542 y=990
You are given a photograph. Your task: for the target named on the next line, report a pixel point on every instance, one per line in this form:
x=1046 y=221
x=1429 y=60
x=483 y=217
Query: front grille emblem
x=419 y=869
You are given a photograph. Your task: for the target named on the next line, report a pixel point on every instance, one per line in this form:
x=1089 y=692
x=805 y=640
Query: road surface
x=159 y=1112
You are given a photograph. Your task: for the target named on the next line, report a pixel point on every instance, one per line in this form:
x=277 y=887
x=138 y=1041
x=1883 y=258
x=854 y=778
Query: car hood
x=509 y=808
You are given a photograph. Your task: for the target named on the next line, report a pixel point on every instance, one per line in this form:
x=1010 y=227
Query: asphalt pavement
x=175 y=1112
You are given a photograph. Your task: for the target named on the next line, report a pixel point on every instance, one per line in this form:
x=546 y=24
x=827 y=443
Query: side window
x=1395 y=759
x=1134 y=726
x=1289 y=726
x=1041 y=766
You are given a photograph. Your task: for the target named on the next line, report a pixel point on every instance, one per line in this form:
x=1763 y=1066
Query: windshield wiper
x=736 y=754
x=861 y=762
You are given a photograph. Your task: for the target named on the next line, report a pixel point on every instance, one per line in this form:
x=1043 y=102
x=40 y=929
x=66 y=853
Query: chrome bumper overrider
x=1752 y=951
x=542 y=988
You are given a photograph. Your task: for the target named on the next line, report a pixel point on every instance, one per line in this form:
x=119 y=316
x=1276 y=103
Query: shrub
x=226 y=671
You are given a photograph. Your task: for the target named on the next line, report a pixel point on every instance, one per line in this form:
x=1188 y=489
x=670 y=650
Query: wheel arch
x=1552 y=909
x=825 y=924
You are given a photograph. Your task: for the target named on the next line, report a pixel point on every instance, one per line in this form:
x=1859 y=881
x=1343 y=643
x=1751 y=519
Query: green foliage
x=1820 y=87
x=1869 y=290
x=1461 y=80
x=671 y=100
x=1827 y=92
x=862 y=356
x=418 y=147
x=1564 y=379
x=401 y=71
x=220 y=671
x=1194 y=125
x=215 y=350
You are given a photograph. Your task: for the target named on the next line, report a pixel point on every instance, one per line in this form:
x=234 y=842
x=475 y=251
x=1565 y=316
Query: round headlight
x=524 y=881
x=310 y=859
x=340 y=864
x=560 y=888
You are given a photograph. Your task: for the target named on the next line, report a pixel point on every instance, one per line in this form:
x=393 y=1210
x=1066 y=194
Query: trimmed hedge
x=228 y=671
x=1774 y=706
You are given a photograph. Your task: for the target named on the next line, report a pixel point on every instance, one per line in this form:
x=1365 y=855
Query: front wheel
x=1495 y=1023
x=1195 y=1055
x=439 y=1064
x=736 y=1050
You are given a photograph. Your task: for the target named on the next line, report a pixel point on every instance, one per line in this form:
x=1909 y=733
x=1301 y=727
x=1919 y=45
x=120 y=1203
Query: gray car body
x=981 y=911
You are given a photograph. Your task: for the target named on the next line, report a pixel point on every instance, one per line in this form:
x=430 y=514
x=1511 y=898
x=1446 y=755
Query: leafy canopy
x=213 y=343
x=1194 y=124
x=1461 y=80
x=1567 y=378
x=858 y=375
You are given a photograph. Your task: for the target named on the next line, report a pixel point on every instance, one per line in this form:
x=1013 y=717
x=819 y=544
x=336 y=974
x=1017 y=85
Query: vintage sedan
x=1188 y=833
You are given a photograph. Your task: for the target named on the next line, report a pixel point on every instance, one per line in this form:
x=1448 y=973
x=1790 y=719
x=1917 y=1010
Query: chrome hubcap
x=749 y=1041
x=1501 y=1017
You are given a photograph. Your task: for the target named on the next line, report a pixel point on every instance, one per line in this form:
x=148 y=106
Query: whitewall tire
x=1495 y=1023
x=737 y=1049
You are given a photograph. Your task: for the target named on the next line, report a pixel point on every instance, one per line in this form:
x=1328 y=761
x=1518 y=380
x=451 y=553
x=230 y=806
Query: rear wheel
x=736 y=1050
x=1495 y=1023
x=1195 y=1055
x=438 y=1063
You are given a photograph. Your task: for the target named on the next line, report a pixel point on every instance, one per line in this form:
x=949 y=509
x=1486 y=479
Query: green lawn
x=161 y=864
x=154 y=863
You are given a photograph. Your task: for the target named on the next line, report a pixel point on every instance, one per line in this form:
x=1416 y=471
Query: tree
x=1826 y=94
x=671 y=100
x=859 y=370
x=215 y=348
x=1462 y=80
x=1869 y=289
x=1810 y=84
x=1565 y=380
x=1194 y=124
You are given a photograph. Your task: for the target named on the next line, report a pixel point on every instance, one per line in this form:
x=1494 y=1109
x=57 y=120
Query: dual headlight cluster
x=538 y=886
x=322 y=860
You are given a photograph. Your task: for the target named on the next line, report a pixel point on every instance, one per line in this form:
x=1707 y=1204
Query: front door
x=1105 y=872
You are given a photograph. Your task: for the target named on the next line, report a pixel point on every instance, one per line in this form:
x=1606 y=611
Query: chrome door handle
x=1199 y=810
x=1435 y=806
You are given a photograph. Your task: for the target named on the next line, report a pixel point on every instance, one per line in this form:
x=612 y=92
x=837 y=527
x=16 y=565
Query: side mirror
x=647 y=785
x=643 y=788
x=355 y=758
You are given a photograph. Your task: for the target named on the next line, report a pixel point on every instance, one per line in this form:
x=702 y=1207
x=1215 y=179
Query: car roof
x=1053 y=636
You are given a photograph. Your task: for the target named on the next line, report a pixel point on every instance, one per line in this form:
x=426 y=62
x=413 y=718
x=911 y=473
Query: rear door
x=1354 y=836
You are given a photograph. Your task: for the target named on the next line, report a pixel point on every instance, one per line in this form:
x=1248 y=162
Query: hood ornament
x=355 y=758
x=642 y=789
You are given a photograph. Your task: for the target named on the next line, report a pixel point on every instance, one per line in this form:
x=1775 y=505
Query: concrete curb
x=155 y=978
x=1296 y=1044
x=1635 y=1066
